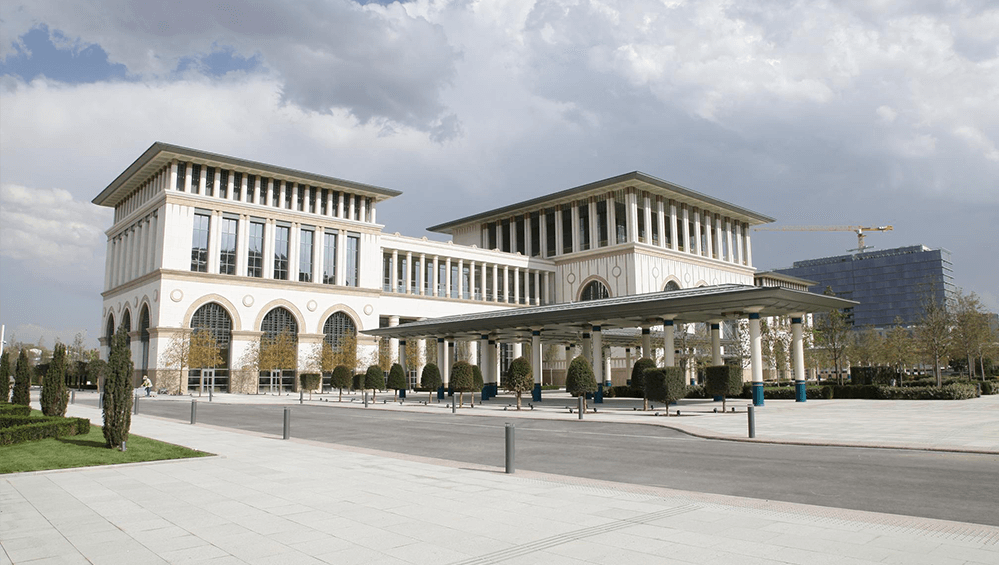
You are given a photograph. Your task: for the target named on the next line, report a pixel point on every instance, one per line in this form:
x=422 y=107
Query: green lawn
x=86 y=451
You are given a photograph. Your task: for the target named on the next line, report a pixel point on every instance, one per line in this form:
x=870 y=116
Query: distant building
x=888 y=283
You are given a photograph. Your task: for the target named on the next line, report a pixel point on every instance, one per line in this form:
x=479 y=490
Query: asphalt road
x=949 y=486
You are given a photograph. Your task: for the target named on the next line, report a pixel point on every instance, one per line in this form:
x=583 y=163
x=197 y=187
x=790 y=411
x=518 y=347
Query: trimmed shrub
x=430 y=379
x=374 y=379
x=310 y=382
x=55 y=397
x=341 y=379
x=477 y=377
x=989 y=387
x=14 y=409
x=117 y=408
x=665 y=385
x=638 y=379
x=696 y=391
x=397 y=378
x=519 y=377
x=22 y=380
x=878 y=376
x=579 y=378
x=5 y=376
x=723 y=381
x=462 y=380
x=357 y=381
x=19 y=429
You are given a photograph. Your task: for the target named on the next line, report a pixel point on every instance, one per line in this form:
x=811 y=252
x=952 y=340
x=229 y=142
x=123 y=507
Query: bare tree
x=832 y=334
x=971 y=329
x=933 y=333
x=899 y=347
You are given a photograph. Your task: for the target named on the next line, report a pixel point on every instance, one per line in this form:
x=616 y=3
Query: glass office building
x=888 y=283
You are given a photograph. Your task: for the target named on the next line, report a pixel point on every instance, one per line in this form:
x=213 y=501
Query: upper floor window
x=209 y=181
x=255 y=250
x=550 y=247
x=224 y=184
x=505 y=228
x=289 y=194
x=329 y=257
x=595 y=290
x=199 y=243
x=491 y=235
x=237 y=186
x=227 y=247
x=301 y=198
x=655 y=226
x=281 y=252
x=251 y=188
x=521 y=236
x=535 y=234
x=305 y=255
x=584 y=224
x=602 y=228
x=181 y=176
x=353 y=259
x=566 y=228
x=642 y=234
x=620 y=219
x=195 y=179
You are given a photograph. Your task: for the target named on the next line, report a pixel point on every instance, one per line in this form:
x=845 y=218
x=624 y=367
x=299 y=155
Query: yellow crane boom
x=859 y=230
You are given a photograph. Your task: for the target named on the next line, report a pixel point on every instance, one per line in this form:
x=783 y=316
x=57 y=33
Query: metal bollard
x=581 y=399
x=454 y=406
x=194 y=411
x=135 y=405
x=510 y=445
x=301 y=397
x=752 y=421
x=287 y=423
x=210 y=393
x=72 y=397
x=365 y=399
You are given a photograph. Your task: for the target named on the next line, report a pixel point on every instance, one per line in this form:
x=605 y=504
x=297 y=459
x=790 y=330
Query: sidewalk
x=264 y=500
x=950 y=425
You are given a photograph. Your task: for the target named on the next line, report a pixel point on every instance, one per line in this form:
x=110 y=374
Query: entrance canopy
x=566 y=322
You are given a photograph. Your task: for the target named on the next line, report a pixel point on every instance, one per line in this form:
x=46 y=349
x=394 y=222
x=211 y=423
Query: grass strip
x=86 y=450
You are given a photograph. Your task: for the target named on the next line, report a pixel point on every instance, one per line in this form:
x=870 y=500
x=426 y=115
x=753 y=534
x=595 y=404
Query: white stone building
x=248 y=249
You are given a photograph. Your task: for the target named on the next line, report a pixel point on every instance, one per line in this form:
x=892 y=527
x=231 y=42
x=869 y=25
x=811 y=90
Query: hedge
x=989 y=387
x=949 y=392
x=20 y=429
x=812 y=392
x=881 y=376
x=7 y=409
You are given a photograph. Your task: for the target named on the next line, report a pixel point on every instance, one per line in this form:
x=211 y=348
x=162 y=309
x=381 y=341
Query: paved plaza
x=265 y=500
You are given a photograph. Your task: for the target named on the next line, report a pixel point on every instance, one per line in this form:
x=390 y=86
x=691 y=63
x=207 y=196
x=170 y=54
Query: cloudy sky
x=864 y=112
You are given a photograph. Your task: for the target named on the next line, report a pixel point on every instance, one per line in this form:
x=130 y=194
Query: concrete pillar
x=598 y=357
x=627 y=358
x=408 y=274
x=393 y=272
x=536 y=363
x=716 y=357
x=587 y=350
x=756 y=358
x=647 y=342
x=670 y=346
x=686 y=230
x=393 y=342
x=798 y=356
x=442 y=362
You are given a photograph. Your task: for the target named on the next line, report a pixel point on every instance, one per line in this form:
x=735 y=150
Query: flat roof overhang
x=618 y=317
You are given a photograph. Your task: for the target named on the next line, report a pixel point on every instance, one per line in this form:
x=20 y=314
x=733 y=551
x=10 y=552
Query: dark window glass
x=322 y=194
x=281 y=252
x=566 y=229
x=668 y=227
x=681 y=244
x=602 y=223
x=329 y=257
x=289 y=195
x=620 y=219
x=491 y=234
x=692 y=239
x=227 y=244
x=224 y=184
x=251 y=187
x=357 y=207
x=550 y=249
x=210 y=181
x=584 y=224
x=212 y=317
x=255 y=250
x=305 y=255
x=301 y=198
x=535 y=234
x=642 y=235
x=353 y=259
x=338 y=328
x=387 y=272
x=521 y=236
x=595 y=290
x=655 y=227
x=237 y=186
x=195 y=179
x=181 y=176
x=505 y=229
x=199 y=244
x=144 y=338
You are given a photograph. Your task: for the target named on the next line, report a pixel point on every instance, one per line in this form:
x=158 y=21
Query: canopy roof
x=567 y=321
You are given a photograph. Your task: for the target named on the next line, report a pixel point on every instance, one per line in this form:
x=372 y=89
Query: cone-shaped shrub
x=462 y=380
x=117 y=406
x=723 y=380
x=22 y=380
x=5 y=376
x=431 y=379
x=579 y=379
x=397 y=378
x=342 y=378
x=55 y=397
x=638 y=378
x=374 y=379
x=519 y=377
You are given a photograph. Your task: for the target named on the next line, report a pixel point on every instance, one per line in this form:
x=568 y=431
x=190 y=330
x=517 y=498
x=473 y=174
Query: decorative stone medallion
x=247 y=301
x=176 y=295
x=311 y=305
x=368 y=309
x=570 y=278
x=616 y=271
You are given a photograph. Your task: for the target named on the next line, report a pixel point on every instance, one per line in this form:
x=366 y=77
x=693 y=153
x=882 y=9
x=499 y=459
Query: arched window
x=595 y=290
x=337 y=327
x=126 y=322
x=213 y=318
x=144 y=338
x=671 y=285
x=276 y=322
x=109 y=331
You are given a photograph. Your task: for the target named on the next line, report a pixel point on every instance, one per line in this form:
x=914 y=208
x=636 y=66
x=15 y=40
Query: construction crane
x=859 y=230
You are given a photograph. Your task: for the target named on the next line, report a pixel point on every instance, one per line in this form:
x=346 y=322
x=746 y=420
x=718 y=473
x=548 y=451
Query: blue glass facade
x=889 y=283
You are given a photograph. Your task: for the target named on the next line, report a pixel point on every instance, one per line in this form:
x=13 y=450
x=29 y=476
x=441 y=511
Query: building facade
x=890 y=284
x=250 y=251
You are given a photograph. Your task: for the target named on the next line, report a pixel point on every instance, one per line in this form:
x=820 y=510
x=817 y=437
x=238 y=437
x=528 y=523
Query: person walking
x=147 y=384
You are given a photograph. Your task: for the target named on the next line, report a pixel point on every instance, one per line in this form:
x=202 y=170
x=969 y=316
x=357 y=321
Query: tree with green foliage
x=477 y=377
x=933 y=332
x=519 y=378
x=832 y=333
x=310 y=382
x=374 y=379
x=579 y=378
x=638 y=378
x=22 y=379
x=397 y=379
x=5 y=376
x=867 y=347
x=971 y=329
x=55 y=397
x=462 y=380
x=899 y=348
x=723 y=381
x=117 y=407
x=96 y=370
x=430 y=379
x=665 y=385
x=342 y=378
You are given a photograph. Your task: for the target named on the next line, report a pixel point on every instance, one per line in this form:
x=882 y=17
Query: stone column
x=461 y=278
x=685 y=229
x=647 y=209
x=661 y=220
x=495 y=282
x=611 y=220
x=516 y=285
x=593 y=229
x=631 y=209
x=537 y=288
x=420 y=275
x=798 y=355
x=716 y=356
x=408 y=274
x=536 y=362
x=647 y=342
x=749 y=247
x=756 y=358
x=576 y=244
x=393 y=342
x=442 y=364
x=558 y=230
x=598 y=357
x=697 y=232
x=587 y=349
x=447 y=277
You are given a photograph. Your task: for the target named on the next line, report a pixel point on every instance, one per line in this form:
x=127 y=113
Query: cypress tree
x=342 y=378
x=579 y=378
x=54 y=394
x=22 y=379
x=397 y=378
x=117 y=407
x=519 y=377
x=638 y=378
x=5 y=376
x=462 y=380
x=374 y=379
x=430 y=379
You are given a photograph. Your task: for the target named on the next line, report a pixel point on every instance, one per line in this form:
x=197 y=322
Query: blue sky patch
x=40 y=56
x=219 y=62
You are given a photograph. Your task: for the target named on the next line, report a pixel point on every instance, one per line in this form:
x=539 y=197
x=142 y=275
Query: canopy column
x=798 y=354
x=647 y=342
x=536 y=363
x=598 y=357
x=587 y=348
x=716 y=356
x=670 y=347
x=484 y=365
x=756 y=357
x=442 y=365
